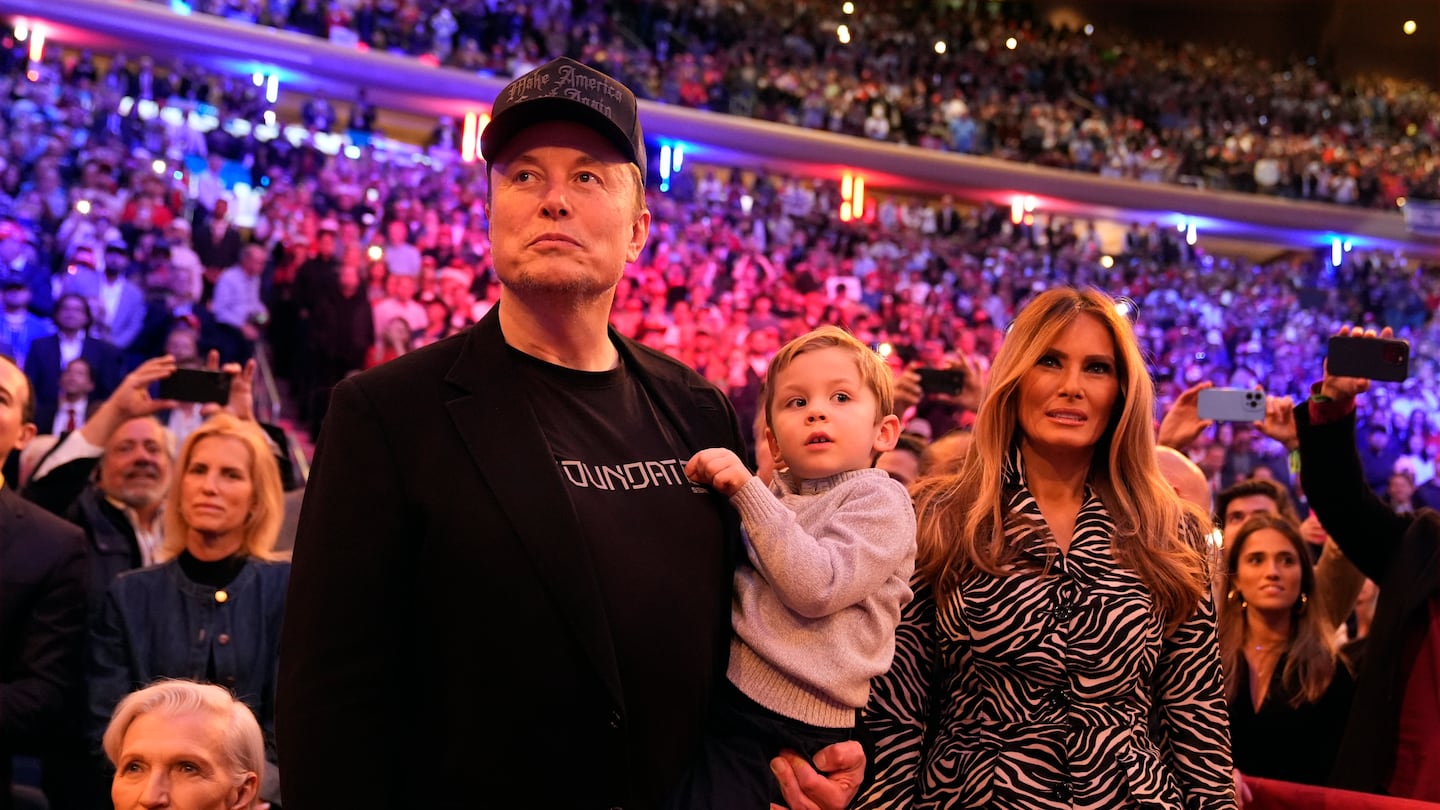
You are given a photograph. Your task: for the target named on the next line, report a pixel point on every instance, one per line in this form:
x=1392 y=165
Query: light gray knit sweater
x=816 y=609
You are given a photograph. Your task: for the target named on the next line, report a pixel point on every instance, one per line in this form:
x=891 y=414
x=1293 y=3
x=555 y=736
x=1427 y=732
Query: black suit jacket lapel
x=490 y=412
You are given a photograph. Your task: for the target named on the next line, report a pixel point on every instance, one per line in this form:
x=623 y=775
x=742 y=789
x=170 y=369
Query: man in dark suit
x=1390 y=745
x=502 y=573
x=217 y=244
x=50 y=355
x=43 y=583
x=76 y=402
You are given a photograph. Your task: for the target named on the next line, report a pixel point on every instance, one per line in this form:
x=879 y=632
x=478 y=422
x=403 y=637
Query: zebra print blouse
x=1051 y=691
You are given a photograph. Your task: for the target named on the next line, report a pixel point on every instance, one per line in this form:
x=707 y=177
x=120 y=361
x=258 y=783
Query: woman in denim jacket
x=212 y=611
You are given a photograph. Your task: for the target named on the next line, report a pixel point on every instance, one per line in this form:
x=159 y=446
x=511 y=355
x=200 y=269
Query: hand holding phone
x=1369 y=358
x=950 y=381
x=195 y=385
x=1231 y=404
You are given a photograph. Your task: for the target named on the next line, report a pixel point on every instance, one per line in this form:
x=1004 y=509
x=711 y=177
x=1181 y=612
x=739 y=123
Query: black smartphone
x=1231 y=404
x=195 y=385
x=941 y=380
x=1383 y=359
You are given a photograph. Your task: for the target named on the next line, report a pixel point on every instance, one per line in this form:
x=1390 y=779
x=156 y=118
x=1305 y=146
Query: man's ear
x=639 y=235
x=27 y=432
x=889 y=434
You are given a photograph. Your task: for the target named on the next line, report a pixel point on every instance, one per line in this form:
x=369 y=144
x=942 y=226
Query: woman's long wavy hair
x=1157 y=535
x=1310 y=661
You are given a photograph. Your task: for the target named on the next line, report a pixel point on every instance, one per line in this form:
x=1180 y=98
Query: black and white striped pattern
x=1051 y=691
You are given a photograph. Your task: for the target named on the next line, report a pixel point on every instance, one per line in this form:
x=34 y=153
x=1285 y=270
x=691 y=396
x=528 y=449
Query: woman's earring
x=1302 y=605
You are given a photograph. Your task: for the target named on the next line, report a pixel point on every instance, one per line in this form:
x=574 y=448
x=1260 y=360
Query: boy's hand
x=718 y=468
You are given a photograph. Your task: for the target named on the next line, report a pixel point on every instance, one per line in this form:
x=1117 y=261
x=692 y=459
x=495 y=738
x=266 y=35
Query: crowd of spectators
x=122 y=237
x=1102 y=102
x=360 y=258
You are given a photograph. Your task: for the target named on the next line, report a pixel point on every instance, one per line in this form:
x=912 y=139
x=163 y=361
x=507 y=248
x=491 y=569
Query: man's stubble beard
x=571 y=294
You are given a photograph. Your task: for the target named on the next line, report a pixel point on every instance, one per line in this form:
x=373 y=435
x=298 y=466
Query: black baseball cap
x=566 y=90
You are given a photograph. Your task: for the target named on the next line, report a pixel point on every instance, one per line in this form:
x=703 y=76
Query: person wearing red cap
x=504 y=586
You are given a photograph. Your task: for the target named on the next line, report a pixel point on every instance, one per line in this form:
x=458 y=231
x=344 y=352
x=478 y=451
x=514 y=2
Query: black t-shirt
x=656 y=543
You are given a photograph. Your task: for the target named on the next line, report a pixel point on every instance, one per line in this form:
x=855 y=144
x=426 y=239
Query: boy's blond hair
x=873 y=371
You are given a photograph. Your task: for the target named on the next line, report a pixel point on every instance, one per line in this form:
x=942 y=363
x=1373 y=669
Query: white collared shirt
x=148 y=538
x=70 y=349
x=110 y=298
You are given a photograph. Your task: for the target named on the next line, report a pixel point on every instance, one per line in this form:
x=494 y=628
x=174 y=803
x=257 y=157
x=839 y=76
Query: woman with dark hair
x=1060 y=650
x=1289 y=692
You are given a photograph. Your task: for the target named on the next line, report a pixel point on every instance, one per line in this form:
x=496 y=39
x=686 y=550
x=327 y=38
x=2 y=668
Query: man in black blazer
x=504 y=587
x=1390 y=744
x=43 y=584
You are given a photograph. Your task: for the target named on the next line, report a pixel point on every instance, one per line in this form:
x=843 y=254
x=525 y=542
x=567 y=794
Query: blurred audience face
x=177 y=762
x=401 y=287
x=1214 y=459
x=1066 y=400
x=217 y=493
x=75 y=381
x=252 y=260
x=397 y=332
x=70 y=313
x=1243 y=508
x=181 y=344
x=1401 y=488
x=1267 y=573
x=397 y=232
x=135 y=468
x=1263 y=473
x=349 y=279
x=945 y=455
x=902 y=465
x=16 y=297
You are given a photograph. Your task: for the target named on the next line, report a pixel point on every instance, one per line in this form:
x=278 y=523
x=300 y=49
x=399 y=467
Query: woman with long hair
x=1061 y=646
x=392 y=341
x=212 y=611
x=1289 y=693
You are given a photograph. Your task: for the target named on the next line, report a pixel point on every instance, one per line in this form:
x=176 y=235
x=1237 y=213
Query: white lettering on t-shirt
x=669 y=472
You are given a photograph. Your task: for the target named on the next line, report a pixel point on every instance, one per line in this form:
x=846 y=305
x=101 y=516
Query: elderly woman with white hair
x=187 y=746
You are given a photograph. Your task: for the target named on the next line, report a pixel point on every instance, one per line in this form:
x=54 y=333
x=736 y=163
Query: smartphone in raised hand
x=1383 y=359
x=195 y=385
x=1231 y=404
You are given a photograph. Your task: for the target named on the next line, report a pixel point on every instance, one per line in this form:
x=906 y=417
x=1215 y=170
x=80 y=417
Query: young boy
x=831 y=546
